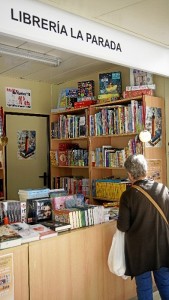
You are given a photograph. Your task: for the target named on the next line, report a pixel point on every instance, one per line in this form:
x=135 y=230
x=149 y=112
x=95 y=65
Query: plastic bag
x=116 y=257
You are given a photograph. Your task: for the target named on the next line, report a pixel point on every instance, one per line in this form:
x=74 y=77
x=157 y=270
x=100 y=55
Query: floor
x=156 y=296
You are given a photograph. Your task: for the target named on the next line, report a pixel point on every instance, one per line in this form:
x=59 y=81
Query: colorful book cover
x=27 y=234
x=9 y=237
x=43 y=231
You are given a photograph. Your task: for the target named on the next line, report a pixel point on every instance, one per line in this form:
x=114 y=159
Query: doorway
x=27 y=153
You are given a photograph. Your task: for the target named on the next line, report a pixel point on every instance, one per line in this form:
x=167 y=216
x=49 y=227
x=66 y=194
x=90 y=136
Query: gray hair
x=136 y=165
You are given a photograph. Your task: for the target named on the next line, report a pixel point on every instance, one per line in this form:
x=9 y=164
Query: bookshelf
x=2 y=174
x=69 y=150
x=111 y=134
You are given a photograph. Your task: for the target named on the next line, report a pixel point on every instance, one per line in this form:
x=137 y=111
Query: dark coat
x=146 y=233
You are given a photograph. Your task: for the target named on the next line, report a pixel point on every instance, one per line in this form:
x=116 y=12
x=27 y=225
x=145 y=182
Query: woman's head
x=136 y=166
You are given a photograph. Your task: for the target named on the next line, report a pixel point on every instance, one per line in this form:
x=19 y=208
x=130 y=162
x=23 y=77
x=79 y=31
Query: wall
x=41 y=95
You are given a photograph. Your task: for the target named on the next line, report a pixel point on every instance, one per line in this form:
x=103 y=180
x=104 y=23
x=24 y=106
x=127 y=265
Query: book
x=57 y=226
x=38 y=209
x=65 y=216
x=44 y=232
x=25 y=231
x=9 y=237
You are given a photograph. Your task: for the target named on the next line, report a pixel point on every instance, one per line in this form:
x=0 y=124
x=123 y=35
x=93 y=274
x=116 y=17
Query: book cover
x=38 y=209
x=9 y=237
x=25 y=231
x=65 y=216
x=44 y=232
x=82 y=125
x=57 y=226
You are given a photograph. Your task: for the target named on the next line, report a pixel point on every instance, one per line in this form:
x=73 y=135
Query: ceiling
x=147 y=19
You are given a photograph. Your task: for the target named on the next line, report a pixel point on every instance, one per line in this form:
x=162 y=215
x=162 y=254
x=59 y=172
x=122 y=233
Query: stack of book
x=25 y=231
x=25 y=194
x=57 y=226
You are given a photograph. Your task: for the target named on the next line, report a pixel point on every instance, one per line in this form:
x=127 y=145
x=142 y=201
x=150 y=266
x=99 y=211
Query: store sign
x=37 y=22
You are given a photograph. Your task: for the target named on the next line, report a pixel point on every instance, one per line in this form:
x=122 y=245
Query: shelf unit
x=154 y=154
x=80 y=170
x=2 y=174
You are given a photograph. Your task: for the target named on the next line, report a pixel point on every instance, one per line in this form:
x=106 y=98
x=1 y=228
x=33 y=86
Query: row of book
x=108 y=156
x=69 y=126
x=13 y=210
x=117 y=119
x=72 y=184
x=69 y=157
x=81 y=216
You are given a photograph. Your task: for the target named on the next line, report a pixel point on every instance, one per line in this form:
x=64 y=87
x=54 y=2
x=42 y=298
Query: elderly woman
x=146 y=232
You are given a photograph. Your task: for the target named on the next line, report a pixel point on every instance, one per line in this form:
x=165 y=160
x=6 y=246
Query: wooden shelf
x=114 y=140
x=70 y=139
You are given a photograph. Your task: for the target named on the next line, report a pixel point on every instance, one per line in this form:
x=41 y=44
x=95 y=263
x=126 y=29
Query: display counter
x=14 y=282
x=73 y=266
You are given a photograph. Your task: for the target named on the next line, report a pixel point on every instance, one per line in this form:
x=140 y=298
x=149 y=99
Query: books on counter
x=9 y=237
x=25 y=194
x=44 y=232
x=26 y=232
x=57 y=226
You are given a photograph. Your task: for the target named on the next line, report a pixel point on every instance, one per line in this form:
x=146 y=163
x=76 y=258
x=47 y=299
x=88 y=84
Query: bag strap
x=152 y=200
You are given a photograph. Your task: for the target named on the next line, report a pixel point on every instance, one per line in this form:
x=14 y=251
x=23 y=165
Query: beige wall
x=44 y=96
x=41 y=95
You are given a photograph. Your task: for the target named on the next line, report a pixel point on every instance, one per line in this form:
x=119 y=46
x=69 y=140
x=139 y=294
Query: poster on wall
x=154 y=169
x=26 y=141
x=18 y=98
x=154 y=125
x=6 y=277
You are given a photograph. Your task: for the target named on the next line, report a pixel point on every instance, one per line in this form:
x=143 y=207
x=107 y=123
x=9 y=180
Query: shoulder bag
x=152 y=201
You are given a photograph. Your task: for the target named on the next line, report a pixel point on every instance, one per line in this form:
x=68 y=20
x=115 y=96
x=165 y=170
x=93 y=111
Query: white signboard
x=18 y=98
x=40 y=23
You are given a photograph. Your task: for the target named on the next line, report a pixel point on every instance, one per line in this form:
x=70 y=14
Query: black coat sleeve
x=123 y=222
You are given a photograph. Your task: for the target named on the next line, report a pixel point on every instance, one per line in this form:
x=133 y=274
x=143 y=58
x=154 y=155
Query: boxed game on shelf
x=110 y=83
x=86 y=88
x=140 y=77
x=111 y=189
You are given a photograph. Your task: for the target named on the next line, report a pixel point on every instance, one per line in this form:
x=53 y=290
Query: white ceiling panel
x=146 y=19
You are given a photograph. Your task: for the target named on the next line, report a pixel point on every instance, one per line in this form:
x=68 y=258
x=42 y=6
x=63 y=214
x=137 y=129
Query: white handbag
x=116 y=257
